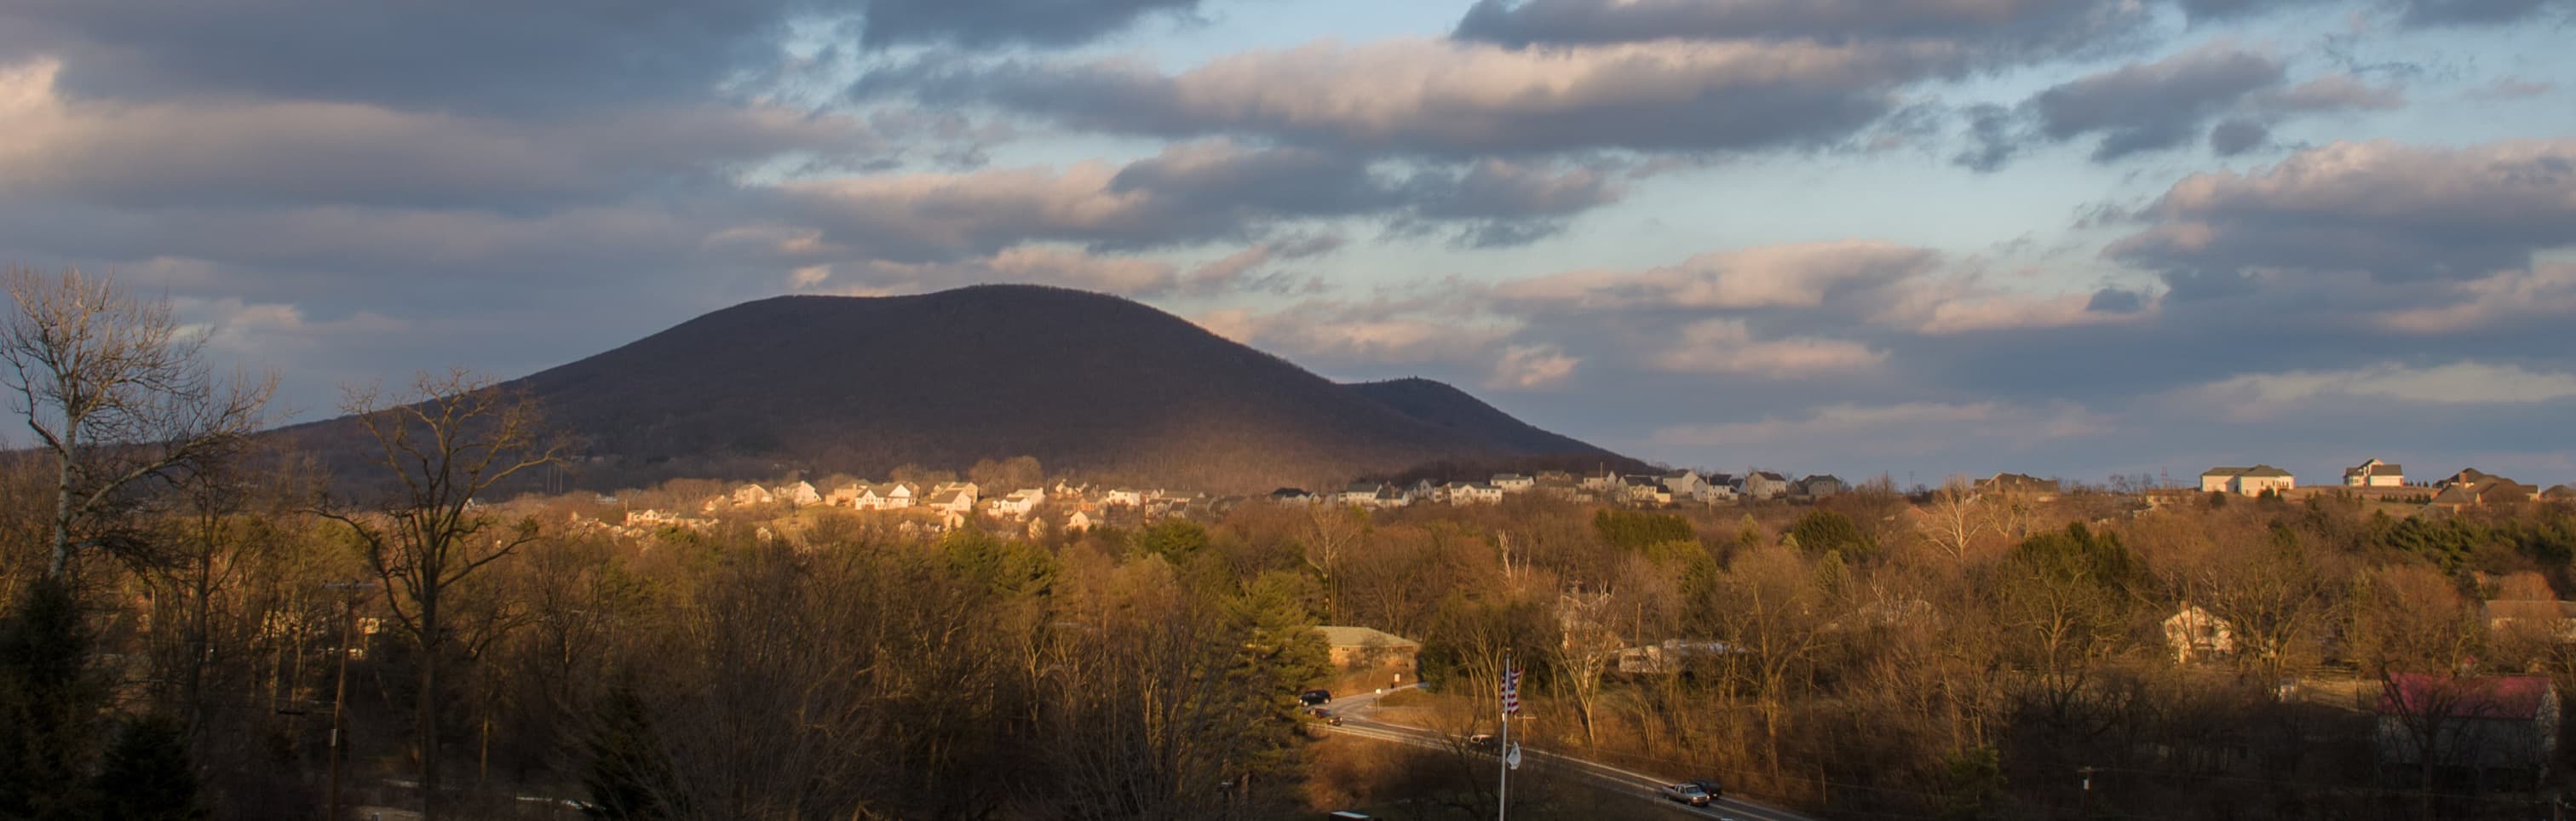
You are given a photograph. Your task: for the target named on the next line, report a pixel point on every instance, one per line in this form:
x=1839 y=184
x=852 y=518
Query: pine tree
x=49 y=705
x=146 y=776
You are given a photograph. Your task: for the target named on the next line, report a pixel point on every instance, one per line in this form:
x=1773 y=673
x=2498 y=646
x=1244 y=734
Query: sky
x=2074 y=238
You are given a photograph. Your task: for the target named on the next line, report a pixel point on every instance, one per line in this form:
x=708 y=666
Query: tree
x=455 y=437
x=49 y=704
x=1825 y=531
x=117 y=392
x=146 y=776
x=1955 y=519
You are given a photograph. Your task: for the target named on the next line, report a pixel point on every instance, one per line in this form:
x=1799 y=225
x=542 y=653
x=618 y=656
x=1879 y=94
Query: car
x=1687 y=792
x=1326 y=715
x=1715 y=791
x=1484 y=741
x=1316 y=696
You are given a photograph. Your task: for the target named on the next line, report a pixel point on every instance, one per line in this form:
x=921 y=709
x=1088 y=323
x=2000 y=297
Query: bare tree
x=1955 y=519
x=118 y=392
x=1585 y=652
x=455 y=437
x=1330 y=531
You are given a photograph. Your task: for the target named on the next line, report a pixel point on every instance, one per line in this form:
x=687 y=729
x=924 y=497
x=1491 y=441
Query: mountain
x=1087 y=384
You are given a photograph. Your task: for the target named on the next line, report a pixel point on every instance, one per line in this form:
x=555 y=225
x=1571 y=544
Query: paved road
x=1355 y=712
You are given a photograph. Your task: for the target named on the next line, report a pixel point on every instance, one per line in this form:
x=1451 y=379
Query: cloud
x=2546 y=292
x=1728 y=346
x=1434 y=97
x=1247 y=269
x=2397 y=211
x=986 y=23
x=2259 y=395
x=1799 y=275
x=2004 y=28
x=1873 y=434
x=2410 y=13
x=2232 y=94
x=1195 y=192
x=1532 y=367
x=269 y=152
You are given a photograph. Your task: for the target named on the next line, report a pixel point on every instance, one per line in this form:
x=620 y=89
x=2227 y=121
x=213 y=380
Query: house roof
x=1345 y=636
x=1766 y=475
x=1288 y=493
x=2266 y=471
x=2516 y=697
x=2373 y=467
x=1821 y=477
x=2456 y=495
x=2559 y=492
x=948 y=497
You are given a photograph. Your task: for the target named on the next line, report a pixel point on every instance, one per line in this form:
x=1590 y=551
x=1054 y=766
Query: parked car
x=1687 y=792
x=1314 y=697
x=1710 y=786
x=1484 y=741
x=1326 y=715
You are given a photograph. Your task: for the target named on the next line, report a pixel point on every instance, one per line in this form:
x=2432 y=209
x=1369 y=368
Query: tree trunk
x=426 y=714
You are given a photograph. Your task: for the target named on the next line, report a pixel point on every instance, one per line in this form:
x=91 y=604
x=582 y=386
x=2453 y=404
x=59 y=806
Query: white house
x=1473 y=493
x=801 y=493
x=888 y=496
x=1123 y=496
x=2192 y=632
x=1078 y=522
x=1818 y=486
x=2251 y=481
x=1686 y=484
x=752 y=495
x=1763 y=484
x=2374 y=473
x=1364 y=494
x=1512 y=482
x=952 y=502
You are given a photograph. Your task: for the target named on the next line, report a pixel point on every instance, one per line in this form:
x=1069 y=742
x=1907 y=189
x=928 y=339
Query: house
x=801 y=493
x=1643 y=489
x=1390 y=496
x=1763 y=484
x=2466 y=476
x=953 y=501
x=1017 y=505
x=1669 y=657
x=972 y=491
x=2374 y=473
x=1721 y=488
x=2483 y=491
x=1120 y=496
x=1818 y=486
x=1686 y=484
x=2532 y=617
x=1292 y=496
x=2196 y=633
x=2559 y=493
x=1080 y=521
x=843 y=496
x=1602 y=483
x=1473 y=493
x=2504 y=725
x=888 y=496
x=752 y=495
x=2251 y=481
x=2016 y=483
x=1512 y=482
x=1364 y=649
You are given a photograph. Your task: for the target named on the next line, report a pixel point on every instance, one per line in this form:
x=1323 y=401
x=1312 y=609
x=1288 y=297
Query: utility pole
x=340 y=689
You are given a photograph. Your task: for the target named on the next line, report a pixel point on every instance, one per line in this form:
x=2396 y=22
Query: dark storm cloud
x=1987 y=29
x=2151 y=106
x=2231 y=95
x=2397 y=212
x=1191 y=193
x=497 y=55
x=1456 y=100
x=1001 y=22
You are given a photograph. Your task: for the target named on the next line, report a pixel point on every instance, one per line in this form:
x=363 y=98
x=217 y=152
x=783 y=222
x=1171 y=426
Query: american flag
x=1511 y=690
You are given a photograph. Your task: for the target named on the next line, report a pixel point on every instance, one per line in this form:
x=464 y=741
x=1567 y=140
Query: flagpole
x=1503 y=753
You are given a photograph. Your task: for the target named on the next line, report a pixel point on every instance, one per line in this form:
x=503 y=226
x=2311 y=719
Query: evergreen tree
x=49 y=705
x=146 y=776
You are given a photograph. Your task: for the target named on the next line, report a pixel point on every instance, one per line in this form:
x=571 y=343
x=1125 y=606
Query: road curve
x=1354 y=711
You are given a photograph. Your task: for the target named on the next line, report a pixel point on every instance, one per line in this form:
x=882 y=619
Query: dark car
x=1710 y=786
x=1313 y=697
x=1327 y=716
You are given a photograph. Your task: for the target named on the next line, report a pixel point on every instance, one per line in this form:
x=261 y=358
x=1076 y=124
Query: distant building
x=1763 y=484
x=2195 y=633
x=1512 y=482
x=2470 y=488
x=1358 y=649
x=2016 y=483
x=800 y=493
x=753 y=495
x=2555 y=620
x=1818 y=486
x=2559 y=493
x=2374 y=473
x=1292 y=496
x=2504 y=726
x=2251 y=481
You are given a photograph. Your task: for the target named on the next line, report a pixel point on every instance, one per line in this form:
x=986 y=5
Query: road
x=1355 y=712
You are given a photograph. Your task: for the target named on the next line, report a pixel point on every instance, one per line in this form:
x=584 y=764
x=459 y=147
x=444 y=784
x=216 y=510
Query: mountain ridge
x=1089 y=384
